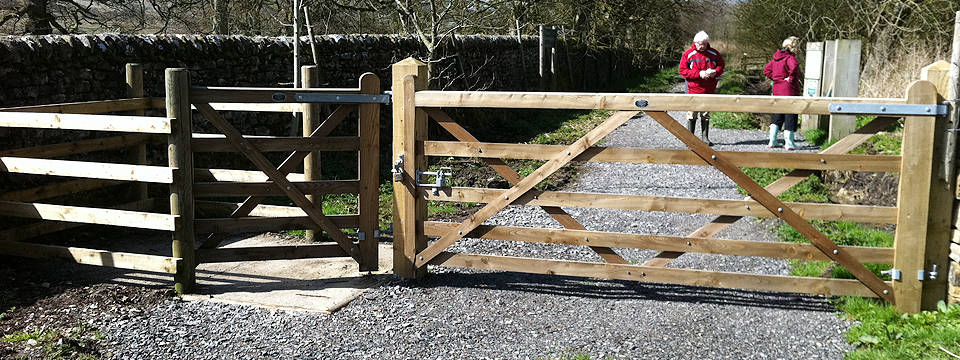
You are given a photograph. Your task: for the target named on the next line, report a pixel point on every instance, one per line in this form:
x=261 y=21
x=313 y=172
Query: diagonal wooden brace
x=781 y=185
x=551 y=166
x=513 y=177
x=775 y=206
x=252 y=153
x=288 y=165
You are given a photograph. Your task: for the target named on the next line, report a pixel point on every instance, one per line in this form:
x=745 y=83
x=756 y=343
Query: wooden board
x=224 y=209
x=661 y=242
x=137 y=124
x=120 y=260
x=270 y=253
x=239 y=175
x=282 y=107
x=657 y=102
x=810 y=211
x=90 y=170
x=134 y=219
x=207 y=143
x=60 y=189
x=658 y=275
x=83 y=146
x=92 y=107
x=264 y=224
x=224 y=95
x=271 y=189
x=879 y=163
x=47 y=227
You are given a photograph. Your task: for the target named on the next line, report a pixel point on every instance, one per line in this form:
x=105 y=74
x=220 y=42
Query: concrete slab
x=320 y=285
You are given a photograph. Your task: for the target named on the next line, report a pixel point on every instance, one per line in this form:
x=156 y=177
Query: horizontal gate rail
x=137 y=124
x=120 y=260
x=134 y=219
x=90 y=170
x=836 y=212
x=208 y=143
x=83 y=146
x=654 y=102
x=269 y=188
x=879 y=163
x=94 y=107
x=265 y=224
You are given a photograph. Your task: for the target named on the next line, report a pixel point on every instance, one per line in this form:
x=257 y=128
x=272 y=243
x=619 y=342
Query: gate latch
x=397 y=169
x=440 y=179
x=894 y=273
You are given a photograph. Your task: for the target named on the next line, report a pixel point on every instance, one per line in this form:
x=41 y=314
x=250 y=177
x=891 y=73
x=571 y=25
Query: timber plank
x=83 y=146
x=90 y=170
x=60 y=189
x=781 y=250
x=657 y=102
x=223 y=95
x=264 y=224
x=794 y=284
x=879 y=163
x=207 y=143
x=119 y=260
x=266 y=253
x=125 y=218
x=205 y=189
x=136 y=124
x=91 y=107
x=228 y=175
x=857 y=213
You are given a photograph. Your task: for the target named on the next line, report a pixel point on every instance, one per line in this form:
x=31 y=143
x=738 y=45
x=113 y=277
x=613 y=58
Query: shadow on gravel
x=624 y=290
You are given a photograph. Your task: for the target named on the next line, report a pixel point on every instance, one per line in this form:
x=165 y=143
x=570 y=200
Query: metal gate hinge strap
x=888 y=109
x=894 y=273
x=343 y=98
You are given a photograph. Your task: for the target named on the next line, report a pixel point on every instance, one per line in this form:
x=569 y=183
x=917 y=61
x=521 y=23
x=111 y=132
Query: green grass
x=737 y=121
x=660 y=82
x=882 y=333
x=843 y=233
x=812 y=190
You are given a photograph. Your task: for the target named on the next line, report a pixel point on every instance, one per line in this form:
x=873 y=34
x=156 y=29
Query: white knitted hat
x=701 y=36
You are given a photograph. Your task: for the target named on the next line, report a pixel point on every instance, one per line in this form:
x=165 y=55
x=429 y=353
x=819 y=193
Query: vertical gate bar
x=139 y=152
x=913 y=199
x=369 y=200
x=942 y=192
x=409 y=126
x=180 y=155
x=311 y=119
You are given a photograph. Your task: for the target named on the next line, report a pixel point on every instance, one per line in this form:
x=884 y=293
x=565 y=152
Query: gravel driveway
x=471 y=314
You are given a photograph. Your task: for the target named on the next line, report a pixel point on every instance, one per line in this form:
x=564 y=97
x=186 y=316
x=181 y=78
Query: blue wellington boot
x=788 y=136
x=774 y=130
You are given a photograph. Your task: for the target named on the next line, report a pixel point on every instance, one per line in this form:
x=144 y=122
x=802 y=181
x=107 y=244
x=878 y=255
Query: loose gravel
x=473 y=314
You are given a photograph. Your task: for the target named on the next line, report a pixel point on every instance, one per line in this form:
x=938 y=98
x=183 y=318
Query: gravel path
x=467 y=314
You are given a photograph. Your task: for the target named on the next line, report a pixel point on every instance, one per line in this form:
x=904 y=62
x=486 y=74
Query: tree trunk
x=38 y=18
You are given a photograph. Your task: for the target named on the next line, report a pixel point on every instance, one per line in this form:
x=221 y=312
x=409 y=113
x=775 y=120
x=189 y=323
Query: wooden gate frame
x=278 y=180
x=413 y=104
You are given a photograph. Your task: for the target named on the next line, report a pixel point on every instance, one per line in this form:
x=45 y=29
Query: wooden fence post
x=913 y=202
x=953 y=122
x=311 y=120
x=942 y=192
x=180 y=156
x=409 y=132
x=139 y=152
x=369 y=202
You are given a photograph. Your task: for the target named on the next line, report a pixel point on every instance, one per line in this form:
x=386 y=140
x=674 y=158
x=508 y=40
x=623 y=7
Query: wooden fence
x=919 y=227
x=187 y=183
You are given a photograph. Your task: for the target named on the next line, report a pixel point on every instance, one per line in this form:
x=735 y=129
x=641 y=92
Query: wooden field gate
x=188 y=184
x=922 y=216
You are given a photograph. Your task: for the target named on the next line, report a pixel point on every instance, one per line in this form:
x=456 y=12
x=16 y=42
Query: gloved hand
x=787 y=79
x=704 y=75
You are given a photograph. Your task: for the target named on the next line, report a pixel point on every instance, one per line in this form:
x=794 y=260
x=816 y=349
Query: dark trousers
x=787 y=122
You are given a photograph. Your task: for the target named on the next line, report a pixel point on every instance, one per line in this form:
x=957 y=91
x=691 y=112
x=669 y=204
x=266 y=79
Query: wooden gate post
x=409 y=132
x=942 y=193
x=180 y=155
x=311 y=120
x=139 y=153
x=913 y=201
x=369 y=202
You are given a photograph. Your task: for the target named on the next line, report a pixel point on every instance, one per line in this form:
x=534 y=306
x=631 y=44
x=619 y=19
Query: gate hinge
x=397 y=169
x=440 y=179
x=888 y=109
x=894 y=273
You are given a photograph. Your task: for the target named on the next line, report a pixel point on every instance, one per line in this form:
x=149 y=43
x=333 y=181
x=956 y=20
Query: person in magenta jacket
x=701 y=66
x=785 y=73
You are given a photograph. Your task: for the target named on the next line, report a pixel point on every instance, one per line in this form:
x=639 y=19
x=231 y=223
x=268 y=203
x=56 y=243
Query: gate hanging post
x=311 y=120
x=914 y=200
x=180 y=155
x=369 y=173
x=409 y=132
x=139 y=152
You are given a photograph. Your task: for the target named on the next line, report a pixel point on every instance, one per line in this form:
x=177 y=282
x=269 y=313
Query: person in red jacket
x=701 y=66
x=785 y=73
